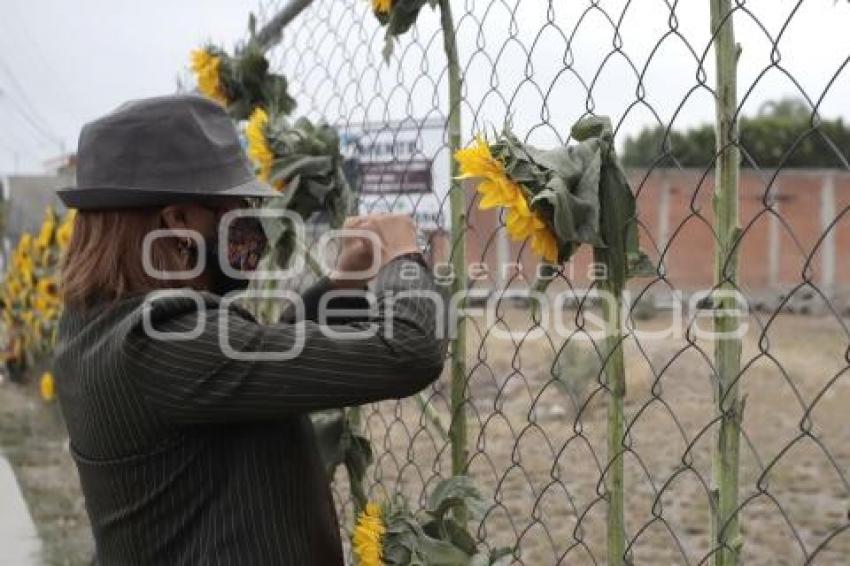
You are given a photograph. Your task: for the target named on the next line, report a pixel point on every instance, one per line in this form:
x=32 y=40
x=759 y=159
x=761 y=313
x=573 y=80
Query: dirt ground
x=33 y=439
x=538 y=448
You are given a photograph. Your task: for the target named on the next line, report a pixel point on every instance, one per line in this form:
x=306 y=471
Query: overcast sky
x=77 y=60
x=63 y=63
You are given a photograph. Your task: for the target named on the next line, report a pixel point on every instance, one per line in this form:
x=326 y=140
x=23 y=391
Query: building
x=25 y=197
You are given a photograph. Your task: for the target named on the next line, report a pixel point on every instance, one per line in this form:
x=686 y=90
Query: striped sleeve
x=237 y=370
x=340 y=308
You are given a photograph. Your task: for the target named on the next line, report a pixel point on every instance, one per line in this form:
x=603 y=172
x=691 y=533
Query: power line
x=22 y=93
x=27 y=110
x=44 y=135
x=22 y=30
x=32 y=139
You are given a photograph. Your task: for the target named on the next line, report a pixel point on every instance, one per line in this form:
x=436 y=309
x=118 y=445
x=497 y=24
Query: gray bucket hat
x=159 y=151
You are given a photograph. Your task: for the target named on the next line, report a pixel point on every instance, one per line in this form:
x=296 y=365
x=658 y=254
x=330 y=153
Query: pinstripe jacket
x=188 y=455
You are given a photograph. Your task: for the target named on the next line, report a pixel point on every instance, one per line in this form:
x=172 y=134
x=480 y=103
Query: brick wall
x=784 y=219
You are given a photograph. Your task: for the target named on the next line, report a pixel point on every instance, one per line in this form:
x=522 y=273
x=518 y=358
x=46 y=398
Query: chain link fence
x=534 y=391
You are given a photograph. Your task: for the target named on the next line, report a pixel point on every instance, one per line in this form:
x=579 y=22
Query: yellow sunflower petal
x=382 y=6
x=205 y=65
x=66 y=230
x=48 y=227
x=47 y=386
x=477 y=161
x=520 y=221
x=367 y=539
x=491 y=195
x=258 y=146
x=544 y=244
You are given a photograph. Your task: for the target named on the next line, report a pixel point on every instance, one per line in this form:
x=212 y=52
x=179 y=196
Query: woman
x=189 y=429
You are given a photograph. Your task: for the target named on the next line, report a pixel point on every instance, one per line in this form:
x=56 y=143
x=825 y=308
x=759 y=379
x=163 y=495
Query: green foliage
x=340 y=445
x=563 y=185
x=248 y=83
x=435 y=537
x=576 y=368
x=784 y=133
x=617 y=207
x=399 y=19
x=309 y=162
x=582 y=192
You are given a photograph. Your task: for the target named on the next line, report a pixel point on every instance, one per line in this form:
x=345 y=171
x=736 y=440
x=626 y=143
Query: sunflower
x=14 y=289
x=44 y=306
x=47 y=286
x=47 y=386
x=66 y=229
x=523 y=223
x=258 y=146
x=368 y=536
x=46 y=298
x=24 y=245
x=499 y=190
x=495 y=187
x=45 y=258
x=48 y=227
x=25 y=267
x=382 y=6
x=206 y=66
x=544 y=244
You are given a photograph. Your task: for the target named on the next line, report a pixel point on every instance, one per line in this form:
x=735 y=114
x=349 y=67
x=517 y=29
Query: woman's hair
x=103 y=262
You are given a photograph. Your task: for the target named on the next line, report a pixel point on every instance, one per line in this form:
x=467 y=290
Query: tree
x=784 y=133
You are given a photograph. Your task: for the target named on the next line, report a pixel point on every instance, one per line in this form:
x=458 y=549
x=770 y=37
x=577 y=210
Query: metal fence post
x=727 y=345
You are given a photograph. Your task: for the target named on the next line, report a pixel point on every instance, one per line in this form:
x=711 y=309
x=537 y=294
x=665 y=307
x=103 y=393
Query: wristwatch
x=418 y=257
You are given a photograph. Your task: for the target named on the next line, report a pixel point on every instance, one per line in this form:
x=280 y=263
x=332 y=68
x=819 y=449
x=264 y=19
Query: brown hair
x=103 y=262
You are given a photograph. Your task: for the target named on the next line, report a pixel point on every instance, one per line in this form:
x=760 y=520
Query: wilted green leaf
x=582 y=193
x=248 y=83
x=456 y=492
x=617 y=208
x=497 y=557
x=309 y=164
x=399 y=19
x=329 y=428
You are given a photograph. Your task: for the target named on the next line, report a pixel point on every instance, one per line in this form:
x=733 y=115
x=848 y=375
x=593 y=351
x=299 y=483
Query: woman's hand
x=355 y=264
x=397 y=233
x=394 y=235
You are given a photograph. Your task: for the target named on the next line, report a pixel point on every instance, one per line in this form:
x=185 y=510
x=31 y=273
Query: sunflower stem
x=433 y=416
x=355 y=482
x=615 y=373
x=457 y=203
x=725 y=536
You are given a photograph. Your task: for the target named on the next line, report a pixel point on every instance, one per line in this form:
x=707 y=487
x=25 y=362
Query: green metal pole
x=615 y=373
x=726 y=540
x=457 y=202
x=269 y=35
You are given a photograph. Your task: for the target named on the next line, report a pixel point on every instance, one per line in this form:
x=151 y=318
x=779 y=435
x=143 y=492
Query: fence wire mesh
x=535 y=393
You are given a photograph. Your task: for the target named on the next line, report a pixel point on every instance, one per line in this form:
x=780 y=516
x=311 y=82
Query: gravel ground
x=33 y=439
x=538 y=455
x=539 y=460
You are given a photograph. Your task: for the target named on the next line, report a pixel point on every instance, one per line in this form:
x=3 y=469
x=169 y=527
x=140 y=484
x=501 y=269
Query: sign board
x=395 y=177
x=402 y=167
